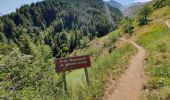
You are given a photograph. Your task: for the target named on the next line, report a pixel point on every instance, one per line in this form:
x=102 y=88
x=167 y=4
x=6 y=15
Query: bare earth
x=129 y=85
x=167 y=23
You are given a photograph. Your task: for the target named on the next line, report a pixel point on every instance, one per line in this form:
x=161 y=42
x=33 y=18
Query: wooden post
x=65 y=83
x=87 y=76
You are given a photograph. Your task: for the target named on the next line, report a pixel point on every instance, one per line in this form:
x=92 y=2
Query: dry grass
x=155 y=37
x=102 y=65
x=160 y=13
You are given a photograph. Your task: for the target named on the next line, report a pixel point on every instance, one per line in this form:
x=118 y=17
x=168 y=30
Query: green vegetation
x=36 y=34
x=100 y=44
x=160 y=13
x=99 y=73
x=155 y=38
x=156 y=43
x=161 y=3
x=34 y=77
x=127 y=26
x=56 y=23
x=143 y=14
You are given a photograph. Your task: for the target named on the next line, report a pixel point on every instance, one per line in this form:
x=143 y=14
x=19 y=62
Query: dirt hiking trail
x=167 y=23
x=129 y=85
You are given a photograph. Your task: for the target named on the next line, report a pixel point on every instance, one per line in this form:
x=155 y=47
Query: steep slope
x=154 y=36
x=53 y=17
x=155 y=39
x=36 y=34
x=106 y=57
x=128 y=10
x=131 y=10
x=129 y=86
x=115 y=4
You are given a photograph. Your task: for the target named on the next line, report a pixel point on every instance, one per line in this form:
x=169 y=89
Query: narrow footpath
x=129 y=85
x=167 y=23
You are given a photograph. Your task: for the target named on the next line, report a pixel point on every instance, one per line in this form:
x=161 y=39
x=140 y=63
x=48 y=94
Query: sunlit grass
x=102 y=65
x=155 y=37
x=152 y=33
x=97 y=45
x=161 y=13
x=98 y=74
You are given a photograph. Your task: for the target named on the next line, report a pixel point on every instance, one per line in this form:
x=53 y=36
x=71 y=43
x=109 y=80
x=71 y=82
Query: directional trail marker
x=72 y=63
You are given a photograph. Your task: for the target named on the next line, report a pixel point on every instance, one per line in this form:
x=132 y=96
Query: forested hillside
x=35 y=34
x=45 y=21
x=115 y=4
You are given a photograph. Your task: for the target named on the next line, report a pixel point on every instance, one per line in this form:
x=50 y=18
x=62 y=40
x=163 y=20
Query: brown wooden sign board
x=72 y=63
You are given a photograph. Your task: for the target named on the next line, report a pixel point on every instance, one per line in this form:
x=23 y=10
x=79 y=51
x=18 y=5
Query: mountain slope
x=132 y=9
x=84 y=17
x=115 y=4
x=36 y=34
x=129 y=10
x=154 y=37
x=129 y=85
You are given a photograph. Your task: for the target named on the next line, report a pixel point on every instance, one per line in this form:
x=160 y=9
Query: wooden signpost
x=73 y=63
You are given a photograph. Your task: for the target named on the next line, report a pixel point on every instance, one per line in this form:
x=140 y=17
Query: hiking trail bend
x=129 y=85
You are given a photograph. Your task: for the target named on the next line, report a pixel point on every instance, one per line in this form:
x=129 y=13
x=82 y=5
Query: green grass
x=98 y=74
x=155 y=37
x=156 y=31
x=102 y=64
x=97 y=45
x=160 y=13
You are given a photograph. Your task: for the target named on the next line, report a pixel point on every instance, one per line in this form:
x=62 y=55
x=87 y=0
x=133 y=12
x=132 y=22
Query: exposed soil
x=129 y=85
x=167 y=23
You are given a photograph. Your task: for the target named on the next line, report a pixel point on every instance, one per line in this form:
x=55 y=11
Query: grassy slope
x=103 y=63
x=155 y=37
